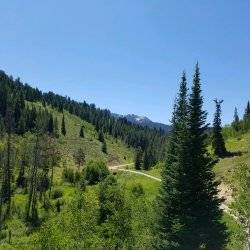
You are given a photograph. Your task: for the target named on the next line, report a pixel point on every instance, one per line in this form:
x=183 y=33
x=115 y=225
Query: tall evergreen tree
x=104 y=147
x=246 y=120
x=247 y=111
x=51 y=124
x=218 y=142
x=101 y=136
x=2 y=126
x=79 y=157
x=236 y=122
x=6 y=190
x=204 y=209
x=63 y=128
x=173 y=200
x=82 y=132
x=56 y=129
x=138 y=159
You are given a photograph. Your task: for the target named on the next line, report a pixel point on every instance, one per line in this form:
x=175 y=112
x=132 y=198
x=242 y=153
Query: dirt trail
x=223 y=190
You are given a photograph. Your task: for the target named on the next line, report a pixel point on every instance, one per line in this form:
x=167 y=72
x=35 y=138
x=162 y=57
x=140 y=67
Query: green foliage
x=138 y=159
x=79 y=157
x=188 y=184
x=115 y=216
x=138 y=190
x=218 y=142
x=63 y=128
x=73 y=228
x=95 y=172
x=82 y=132
x=57 y=193
x=242 y=198
x=104 y=147
x=68 y=175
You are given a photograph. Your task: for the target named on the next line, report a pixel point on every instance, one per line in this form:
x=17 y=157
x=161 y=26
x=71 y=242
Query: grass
x=129 y=180
x=118 y=152
x=224 y=169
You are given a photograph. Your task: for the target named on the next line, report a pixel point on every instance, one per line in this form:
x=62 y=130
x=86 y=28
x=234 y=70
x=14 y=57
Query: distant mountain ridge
x=143 y=121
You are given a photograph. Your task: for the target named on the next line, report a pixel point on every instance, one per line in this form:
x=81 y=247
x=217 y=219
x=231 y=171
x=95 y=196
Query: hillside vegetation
x=58 y=190
x=117 y=153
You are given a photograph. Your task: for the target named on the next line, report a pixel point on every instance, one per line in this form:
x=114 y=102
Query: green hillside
x=118 y=152
x=239 y=147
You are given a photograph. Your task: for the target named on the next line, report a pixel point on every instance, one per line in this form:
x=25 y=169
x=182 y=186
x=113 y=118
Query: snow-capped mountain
x=143 y=121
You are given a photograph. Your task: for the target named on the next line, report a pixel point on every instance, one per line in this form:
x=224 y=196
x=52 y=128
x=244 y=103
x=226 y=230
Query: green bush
x=57 y=193
x=95 y=172
x=68 y=175
x=137 y=190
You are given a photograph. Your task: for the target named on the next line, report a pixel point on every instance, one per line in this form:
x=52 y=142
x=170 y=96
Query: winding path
x=224 y=207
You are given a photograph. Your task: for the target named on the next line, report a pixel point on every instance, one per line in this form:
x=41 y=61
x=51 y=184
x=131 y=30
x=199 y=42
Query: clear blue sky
x=128 y=55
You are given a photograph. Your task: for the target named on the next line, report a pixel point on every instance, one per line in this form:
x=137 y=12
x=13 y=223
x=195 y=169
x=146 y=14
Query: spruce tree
x=51 y=124
x=101 y=136
x=21 y=126
x=2 y=126
x=204 y=211
x=56 y=129
x=173 y=200
x=236 y=122
x=218 y=142
x=63 y=128
x=82 y=132
x=138 y=159
x=246 y=119
x=7 y=175
x=247 y=111
x=104 y=147
x=79 y=157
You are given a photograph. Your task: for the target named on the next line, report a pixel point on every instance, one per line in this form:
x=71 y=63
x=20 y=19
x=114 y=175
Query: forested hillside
x=13 y=95
x=189 y=190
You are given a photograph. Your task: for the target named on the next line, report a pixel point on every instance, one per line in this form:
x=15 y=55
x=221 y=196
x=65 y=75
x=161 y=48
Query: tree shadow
x=229 y=154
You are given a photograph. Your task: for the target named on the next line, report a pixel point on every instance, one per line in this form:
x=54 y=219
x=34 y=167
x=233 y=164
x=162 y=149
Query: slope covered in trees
x=13 y=94
x=58 y=193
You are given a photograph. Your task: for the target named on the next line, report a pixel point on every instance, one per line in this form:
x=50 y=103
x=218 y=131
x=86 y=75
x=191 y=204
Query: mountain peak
x=143 y=121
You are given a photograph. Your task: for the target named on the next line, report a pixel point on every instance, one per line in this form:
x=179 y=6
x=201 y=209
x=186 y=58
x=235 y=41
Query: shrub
x=137 y=190
x=78 y=176
x=95 y=172
x=57 y=193
x=68 y=175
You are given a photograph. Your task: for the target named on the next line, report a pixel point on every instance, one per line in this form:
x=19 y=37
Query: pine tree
x=2 y=126
x=31 y=208
x=101 y=136
x=236 y=122
x=79 y=157
x=6 y=189
x=56 y=129
x=63 y=128
x=246 y=119
x=173 y=201
x=21 y=127
x=82 y=132
x=204 y=209
x=138 y=159
x=218 y=142
x=104 y=147
x=50 y=124
x=247 y=111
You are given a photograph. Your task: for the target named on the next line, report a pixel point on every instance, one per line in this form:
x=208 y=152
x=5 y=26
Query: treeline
x=150 y=141
x=239 y=125
x=242 y=125
x=16 y=116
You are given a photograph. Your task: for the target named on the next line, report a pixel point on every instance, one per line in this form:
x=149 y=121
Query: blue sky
x=128 y=55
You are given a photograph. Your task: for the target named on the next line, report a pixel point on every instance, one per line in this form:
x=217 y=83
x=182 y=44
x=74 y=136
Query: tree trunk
x=33 y=180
